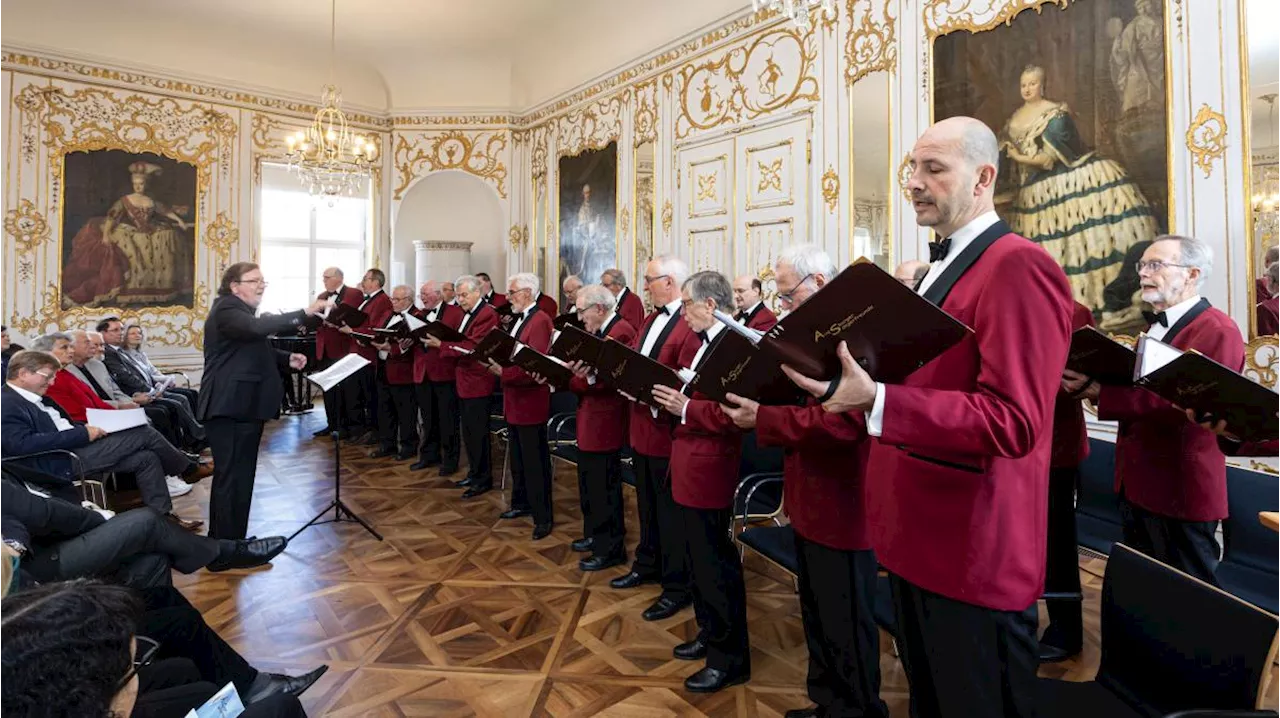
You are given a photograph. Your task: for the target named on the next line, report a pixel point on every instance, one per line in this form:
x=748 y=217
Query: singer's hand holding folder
x=890 y=330
x=411 y=328
x=576 y=344
x=1194 y=381
x=632 y=373
x=444 y=332
x=1100 y=358
x=345 y=315
x=549 y=368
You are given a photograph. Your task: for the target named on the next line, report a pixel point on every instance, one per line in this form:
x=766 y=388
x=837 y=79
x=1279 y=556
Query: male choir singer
x=957 y=485
x=824 y=474
x=240 y=389
x=332 y=345
x=397 y=404
x=627 y=304
x=705 y=453
x=1170 y=474
x=437 y=390
x=361 y=396
x=749 y=302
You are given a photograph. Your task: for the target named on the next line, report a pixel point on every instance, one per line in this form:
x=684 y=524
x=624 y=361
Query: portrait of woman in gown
x=138 y=254
x=1084 y=209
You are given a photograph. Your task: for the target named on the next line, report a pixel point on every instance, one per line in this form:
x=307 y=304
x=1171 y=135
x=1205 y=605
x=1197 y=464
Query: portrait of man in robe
x=588 y=213
x=1077 y=97
x=128 y=230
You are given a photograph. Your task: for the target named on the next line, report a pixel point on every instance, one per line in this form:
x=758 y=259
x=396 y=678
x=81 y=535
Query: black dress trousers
x=235 y=462
x=1062 y=565
x=429 y=433
x=531 y=470
x=600 y=487
x=446 y=423
x=662 y=549
x=1189 y=546
x=719 y=591
x=475 y=438
x=397 y=417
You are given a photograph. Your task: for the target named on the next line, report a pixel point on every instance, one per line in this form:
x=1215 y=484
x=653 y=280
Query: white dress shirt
x=58 y=421
x=394 y=320
x=712 y=333
x=369 y=298
x=746 y=313
x=467 y=316
x=960 y=240
x=523 y=317
x=1172 y=315
x=659 y=323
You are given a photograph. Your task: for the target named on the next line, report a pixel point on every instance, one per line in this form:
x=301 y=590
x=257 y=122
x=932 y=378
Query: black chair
x=775 y=543
x=1170 y=643
x=90 y=489
x=1248 y=568
x=1098 y=523
x=757 y=500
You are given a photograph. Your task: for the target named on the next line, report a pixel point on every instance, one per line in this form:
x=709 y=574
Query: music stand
x=341 y=512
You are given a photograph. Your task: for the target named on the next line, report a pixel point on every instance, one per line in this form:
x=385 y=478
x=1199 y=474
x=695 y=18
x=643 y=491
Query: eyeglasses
x=263 y=282
x=651 y=280
x=789 y=297
x=47 y=377
x=1156 y=265
x=142 y=657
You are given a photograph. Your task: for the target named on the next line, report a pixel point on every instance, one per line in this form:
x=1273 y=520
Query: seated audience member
x=136 y=381
x=59 y=540
x=7 y=348
x=1268 y=309
x=86 y=367
x=32 y=423
x=134 y=339
x=77 y=649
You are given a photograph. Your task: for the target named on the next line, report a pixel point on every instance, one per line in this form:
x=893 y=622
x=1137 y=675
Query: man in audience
x=332 y=345
x=749 y=304
x=526 y=405
x=705 y=454
x=627 y=304
x=161 y=417
x=486 y=291
x=397 y=407
x=602 y=432
x=660 y=556
x=436 y=387
x=824 y=480
x=1170 y=473
x=911 y=272
x=474 y=382
x=32 y=423
x=362 y=389
x=134 y=381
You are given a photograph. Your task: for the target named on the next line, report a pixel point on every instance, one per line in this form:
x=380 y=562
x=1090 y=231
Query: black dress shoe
x=691 y=651
x=514 y=513
x=421 y=464
x=631 y=580
x=270 y=684
x=449 y=471
x=404 y=455
x=248 y=553
x=541 y=531
x=664 y=608
x=582 y=545
x=475 y=491
x=1049 y=653
x=380 y=453
x=710 y=680
x=600 y=563
x=810 y=712
x=323 y=432
x=464 y=483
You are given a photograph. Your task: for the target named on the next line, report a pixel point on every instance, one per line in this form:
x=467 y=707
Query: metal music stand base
x=341 y=512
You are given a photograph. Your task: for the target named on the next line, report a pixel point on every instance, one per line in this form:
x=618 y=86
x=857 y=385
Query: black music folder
x=345 y=315
x=1194 y=381
x=576 y=344
x=568 y=319
x=1100 y=357
x=890 y=330
x=444 y=332
x=535 y=362
x=733 y=365
x=633 y=373
x=496 y=345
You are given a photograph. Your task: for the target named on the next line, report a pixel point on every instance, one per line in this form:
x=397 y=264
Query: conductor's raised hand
x=298 y=362
x=854 y=390
x=316 y=307
x=670 y=399
x=741 y=410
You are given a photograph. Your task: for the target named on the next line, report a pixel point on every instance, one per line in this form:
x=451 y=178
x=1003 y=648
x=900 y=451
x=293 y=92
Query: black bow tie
x=663 y=310
x=938 y=250
x=1154 y=317
x=741 y=316
x=705 y=337
x=367 y=297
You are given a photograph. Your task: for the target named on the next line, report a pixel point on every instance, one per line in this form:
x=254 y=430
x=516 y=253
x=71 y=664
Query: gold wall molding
x=831 y=189
x=447 y=246
x=770 y=175
x=644 y=123
x=668 y=215
x=220 y=236
x=624 y=221
x=477 y=153
x=429 y=121
x=760 y=75
x=1207 y=138
x=946 y=16
x=904 y=176
x=538 y=152
x=591 y=127
x=1262 y=360
x=871 y=46
x=27 y=226
x=517 y=236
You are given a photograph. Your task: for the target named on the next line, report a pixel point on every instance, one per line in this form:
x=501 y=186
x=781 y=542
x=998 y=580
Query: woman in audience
x=134 y=338
x=71 y=649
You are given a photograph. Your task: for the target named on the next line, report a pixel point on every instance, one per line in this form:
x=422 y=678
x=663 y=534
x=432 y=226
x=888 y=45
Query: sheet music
x=1153 y=354
x=225 y=703
x=113 y=420
x=752 y=335
x=341 y=369
x=414 y=323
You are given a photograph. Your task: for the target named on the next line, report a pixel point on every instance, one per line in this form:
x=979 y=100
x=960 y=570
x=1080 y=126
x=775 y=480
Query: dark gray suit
x=239 y=391
x=65 y=541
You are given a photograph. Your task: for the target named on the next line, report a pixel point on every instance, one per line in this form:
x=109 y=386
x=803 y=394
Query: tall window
x=302 y=236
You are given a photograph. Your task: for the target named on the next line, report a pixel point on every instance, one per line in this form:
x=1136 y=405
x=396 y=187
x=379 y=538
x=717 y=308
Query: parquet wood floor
x=458 y=613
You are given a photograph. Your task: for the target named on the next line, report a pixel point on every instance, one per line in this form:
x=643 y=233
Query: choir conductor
x=240 y=390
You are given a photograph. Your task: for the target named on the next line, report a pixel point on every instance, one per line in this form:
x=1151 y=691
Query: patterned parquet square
x=459 y=613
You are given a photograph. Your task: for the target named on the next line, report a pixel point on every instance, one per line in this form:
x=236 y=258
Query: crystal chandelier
x=330 y=159
x=1266 y=193
x=797 y=10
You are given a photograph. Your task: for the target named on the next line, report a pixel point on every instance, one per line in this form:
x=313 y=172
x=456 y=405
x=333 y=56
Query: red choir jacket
x=525 y=402
x=1070 y=438
x=630 y=308
x=1268 y=311
x=399 y=363
x=74 y=396
x=602 y=412
x=650 y=436
x=762 y=319
x=474 y=379
x=824 y=469
x=435 y=365
x=497 y=300
x=1165 y=463
x=547 y=305
x=379 y=310
x=957 y=485
x=706 y=449
x=331 y=343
